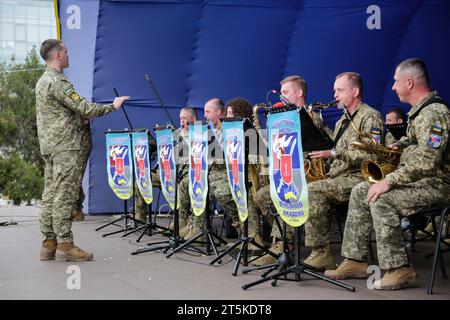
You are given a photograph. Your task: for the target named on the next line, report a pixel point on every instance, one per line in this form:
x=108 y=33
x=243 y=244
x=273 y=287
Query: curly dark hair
x=241 y=107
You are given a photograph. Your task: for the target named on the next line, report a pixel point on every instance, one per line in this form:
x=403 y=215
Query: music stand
x=150 y=224
x=314 y=140
x=126 y=214
x=207 y=232
x=245 y=240
x=398 y=130
x=174 y=239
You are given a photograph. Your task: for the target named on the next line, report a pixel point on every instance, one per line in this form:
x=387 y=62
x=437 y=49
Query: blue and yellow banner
x=164 y=142
x=288 y=188
x=198 y=167
x=119 y=168
x=234 y=145
x=142 y=165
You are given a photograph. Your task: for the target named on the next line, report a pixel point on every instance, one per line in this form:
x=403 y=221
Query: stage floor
x=116 y=274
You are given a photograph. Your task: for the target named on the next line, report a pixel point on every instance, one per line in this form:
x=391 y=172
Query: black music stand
x=207 y=232
x=150 y=224
x=314 y=140
x=127 y=215
x=245 y=240
x=398 y=130
x=174 y=240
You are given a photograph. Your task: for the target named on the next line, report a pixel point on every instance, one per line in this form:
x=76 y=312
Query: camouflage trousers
x=219 y=189
x=323 y=196
x=384 y=217
x=141 y=206
x=264 y=201
x=184 y=202
x=82 y=163
x=61 y=190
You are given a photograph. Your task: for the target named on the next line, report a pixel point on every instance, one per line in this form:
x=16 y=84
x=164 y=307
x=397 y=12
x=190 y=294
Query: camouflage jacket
x=389 y=139
x=426 y=153
x=349 y=158
x=59 y=109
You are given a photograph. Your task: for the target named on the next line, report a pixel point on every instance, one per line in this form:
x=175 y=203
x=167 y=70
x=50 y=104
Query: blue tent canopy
x=195 y=50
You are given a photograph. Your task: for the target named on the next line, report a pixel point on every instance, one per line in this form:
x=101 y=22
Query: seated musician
x=326 y=194
x=421 y=180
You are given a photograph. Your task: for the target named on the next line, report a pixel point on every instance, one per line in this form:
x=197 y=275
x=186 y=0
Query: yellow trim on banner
x=58 y=27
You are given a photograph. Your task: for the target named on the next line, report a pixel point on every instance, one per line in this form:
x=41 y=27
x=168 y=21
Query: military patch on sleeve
x=435 y=138
x=72 y=94
x=376 y=134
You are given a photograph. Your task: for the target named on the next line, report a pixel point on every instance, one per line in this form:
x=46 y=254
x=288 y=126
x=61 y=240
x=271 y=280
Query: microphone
x=267 y=96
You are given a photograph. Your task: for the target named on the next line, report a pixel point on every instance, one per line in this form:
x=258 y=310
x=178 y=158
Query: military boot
x=48 y=250
x=141 y=216
x=192 y=233
x=349 y=269
x=184 y=231
x=77 y=215
x=69 y=252
x=321 y=258
x=397 y=279
x=259 y=240
x=182 y=222
x=277 y=248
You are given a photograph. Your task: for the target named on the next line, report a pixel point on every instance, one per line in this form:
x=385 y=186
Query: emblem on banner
x=284 y=146
x=198 y=148
x=165 y=160
x=117 y=156
x=234 y=148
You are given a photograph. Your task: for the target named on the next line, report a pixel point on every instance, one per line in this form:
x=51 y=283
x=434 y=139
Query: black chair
x=418 y=222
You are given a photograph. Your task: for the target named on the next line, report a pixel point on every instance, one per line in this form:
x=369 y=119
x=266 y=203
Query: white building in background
x=24 y=24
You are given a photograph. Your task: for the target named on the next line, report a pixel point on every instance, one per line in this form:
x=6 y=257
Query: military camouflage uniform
x=389 y=139
x=86 y=146
x=421 y=180
x=344 y=174
x=58 y=115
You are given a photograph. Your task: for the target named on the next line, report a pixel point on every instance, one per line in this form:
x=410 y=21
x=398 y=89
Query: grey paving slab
x=116 y=274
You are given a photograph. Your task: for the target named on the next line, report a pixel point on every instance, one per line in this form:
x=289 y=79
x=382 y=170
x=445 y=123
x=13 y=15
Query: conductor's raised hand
x=118 y=101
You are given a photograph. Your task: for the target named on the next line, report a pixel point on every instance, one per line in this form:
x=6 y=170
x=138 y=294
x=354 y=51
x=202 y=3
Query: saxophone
x=258 y=174
x=374 y=171
x=315 y=168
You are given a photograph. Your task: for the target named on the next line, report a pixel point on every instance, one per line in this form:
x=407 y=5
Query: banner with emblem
x=234 y=145
x=288 y=188
x=142 y=165
x=118 y=160
x=166 y=161
x=198 y=167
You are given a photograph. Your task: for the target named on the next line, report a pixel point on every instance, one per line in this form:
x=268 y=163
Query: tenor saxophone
x=315 y=168
x=258 y=174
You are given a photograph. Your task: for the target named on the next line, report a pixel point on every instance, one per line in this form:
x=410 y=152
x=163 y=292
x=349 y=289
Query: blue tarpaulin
x=196 y=50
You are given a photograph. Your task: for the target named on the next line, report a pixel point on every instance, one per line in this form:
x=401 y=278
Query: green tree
x=19 y=146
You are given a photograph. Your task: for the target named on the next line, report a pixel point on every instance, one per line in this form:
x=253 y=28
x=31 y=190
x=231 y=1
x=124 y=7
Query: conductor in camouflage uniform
x=86 y=146
x=59 y=109
x=421 y=180
x=345 y=169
